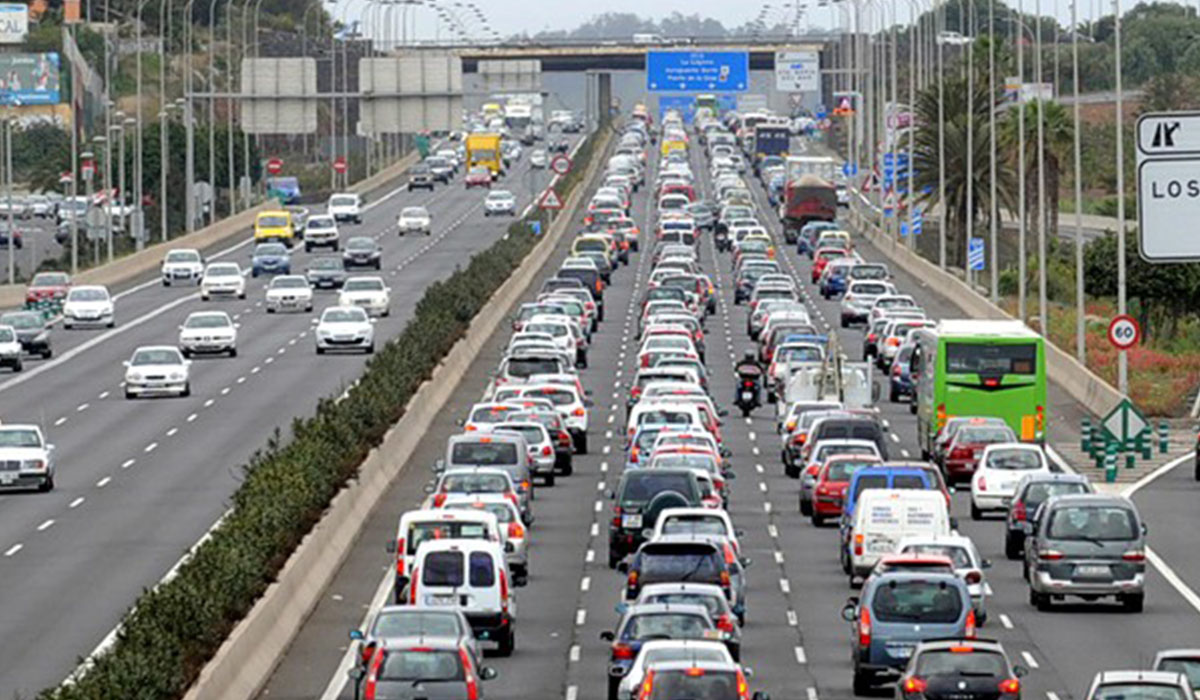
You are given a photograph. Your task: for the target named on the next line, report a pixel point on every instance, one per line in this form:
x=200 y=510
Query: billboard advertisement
x=697 y=71
x=14 y=23
x=30 y=78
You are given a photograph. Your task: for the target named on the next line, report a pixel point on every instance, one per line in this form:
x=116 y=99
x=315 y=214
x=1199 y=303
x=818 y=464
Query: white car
x=668 y=650
x=289 y=293
x=345 y=206
x=30 y=459
x=40 y=206
x=320 y=231
x=10 y=349
x=1000 y=469
x=369 y=293
x=415 y=220
x=345 y=328
x=538 y=158
x=88 y=305
x=208 y=332
x=182 y=265
x=968 y=565
x=157 y=369
x=223 y=279
x=500 y=202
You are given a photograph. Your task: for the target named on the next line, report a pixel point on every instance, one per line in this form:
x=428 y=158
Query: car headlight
x=178 y=376
x=41 y=337
x=133 y=377
x=33 y=465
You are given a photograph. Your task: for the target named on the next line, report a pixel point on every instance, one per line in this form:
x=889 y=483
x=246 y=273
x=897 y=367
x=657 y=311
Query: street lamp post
x=12 y=230
x=189 y=124
x=102 y=141
x=970 y=230
x=1080 y=350
x=941 y=79
x=994 y=209
x=118 y=131
x=1122 y=357
x=1022 y=254
x=1041 y=168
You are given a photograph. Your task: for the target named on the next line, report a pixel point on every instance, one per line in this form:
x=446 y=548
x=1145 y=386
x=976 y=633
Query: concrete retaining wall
x=148 y=260
x=246 y=660
x=1083 y=385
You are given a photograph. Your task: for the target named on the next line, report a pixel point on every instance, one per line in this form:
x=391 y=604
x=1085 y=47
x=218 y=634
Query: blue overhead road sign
x=697 y=71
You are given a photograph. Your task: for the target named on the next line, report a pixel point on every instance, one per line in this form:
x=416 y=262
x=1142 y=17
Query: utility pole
x=970 y=231
x=1080 y=350
x=1022 y=255
x=942 y=211
x=1043 y=312
x=1123 y=356
x=994 y=210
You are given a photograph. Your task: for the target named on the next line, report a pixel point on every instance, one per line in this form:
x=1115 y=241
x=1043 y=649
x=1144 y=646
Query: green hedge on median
x=172 y=631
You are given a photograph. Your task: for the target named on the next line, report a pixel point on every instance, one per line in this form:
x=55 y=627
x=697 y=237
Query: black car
x=676 y=559
x=592 y=281
x=327 y=272
x=637 y=501
x=362 y=251
x=960 y=669
x=31 y=331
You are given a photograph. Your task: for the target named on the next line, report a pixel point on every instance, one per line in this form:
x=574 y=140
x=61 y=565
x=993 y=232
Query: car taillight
x=365 y=654
x=941 y=416
x=969 y=628
x=864 y=628
x=472 y=683
x=973 y=577
x=1134 y=555
x=373 y=677
x=439 y=500
x=616 y=521
x=503 y=590
x=1019 y=512
x=983 y=483
x=400 y=556
x=525 y=486
x=914 y=685
x=412 y=586
x=790 y=426
x=962 y=453
x=893 y=342
x=513 y=497
x=858 y=545
x=622 y=651
x=647 y=686
x=579 y=412
x=632 y=582
x=1050 y=555
x=813 y=469
x=725 y=581
x=1041 y=417
x=725 y=622
x=1010 y=686
x=515 y=531
x=469 y=427
x=743 y=687
x=546 y=451
x=633 y=455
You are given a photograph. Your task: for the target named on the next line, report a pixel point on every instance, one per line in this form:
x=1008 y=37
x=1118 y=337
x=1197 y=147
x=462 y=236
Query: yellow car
x=274 y=226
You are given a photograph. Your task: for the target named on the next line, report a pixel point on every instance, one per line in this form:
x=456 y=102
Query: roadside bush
x=172 y=631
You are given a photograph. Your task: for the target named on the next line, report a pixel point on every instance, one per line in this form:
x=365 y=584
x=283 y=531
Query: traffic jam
x=755 y=327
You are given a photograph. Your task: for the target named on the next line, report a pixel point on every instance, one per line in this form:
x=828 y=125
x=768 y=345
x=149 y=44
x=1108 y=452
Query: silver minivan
x=1089 y=546
x=507 y=451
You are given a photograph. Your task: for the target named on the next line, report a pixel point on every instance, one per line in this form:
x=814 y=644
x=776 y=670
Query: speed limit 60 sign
x=1124 y=332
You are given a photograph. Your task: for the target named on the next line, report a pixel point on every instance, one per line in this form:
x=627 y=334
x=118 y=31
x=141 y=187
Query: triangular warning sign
x=845 y=104
x=550 y=200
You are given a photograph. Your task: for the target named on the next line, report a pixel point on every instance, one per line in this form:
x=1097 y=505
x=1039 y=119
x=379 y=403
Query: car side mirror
x=125 y=363
x=356 y=635
x=439 y=465
x=391 y=547
x=745 y=562
x=607 y=636
x=726 y=452
x=237 y=325
x=739 y=533
x=953 y=523
x=620 y=608
x=985 y=564
x=356 y=674
x=1020 y=671
x=761 y=695
x=1145 y=530
x=623 y=567
x=180 y=327
x=612 y=495
x=487 y=673
x=723 y=412
x=187 y=363
x=850 y=611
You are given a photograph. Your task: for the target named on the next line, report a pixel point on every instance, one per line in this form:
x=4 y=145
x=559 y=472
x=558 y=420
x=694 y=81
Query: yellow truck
x=484 y=149
x=274 y=226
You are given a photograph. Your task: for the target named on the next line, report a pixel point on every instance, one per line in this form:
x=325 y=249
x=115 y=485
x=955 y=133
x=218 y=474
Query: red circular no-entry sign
x=339 y=164
x=275 y=166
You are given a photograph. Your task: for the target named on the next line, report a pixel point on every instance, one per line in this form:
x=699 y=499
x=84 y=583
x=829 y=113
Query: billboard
x=14 y=23
x=29 y=78
x=697 y=71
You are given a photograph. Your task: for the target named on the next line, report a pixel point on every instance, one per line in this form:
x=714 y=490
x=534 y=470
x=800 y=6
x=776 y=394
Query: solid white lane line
x=46 y=525
x=76 y=503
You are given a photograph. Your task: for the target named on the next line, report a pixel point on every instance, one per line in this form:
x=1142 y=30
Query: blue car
x=808 y=236
x=835 y=284
x=900 y=381
x=271 y=259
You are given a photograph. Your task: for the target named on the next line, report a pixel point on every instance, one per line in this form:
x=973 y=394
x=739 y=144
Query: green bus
x=979 y=368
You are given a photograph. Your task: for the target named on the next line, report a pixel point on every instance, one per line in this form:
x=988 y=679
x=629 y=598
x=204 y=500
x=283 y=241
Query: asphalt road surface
x=140 y=481
x=794 y=638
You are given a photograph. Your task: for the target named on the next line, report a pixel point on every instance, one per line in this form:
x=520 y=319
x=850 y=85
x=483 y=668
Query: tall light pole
x=1080 y=350
x=970 y=231
x=1122 y=357
x=164 y=38
x=993 y=208
x=8 y=200
x=138 y=223
x=229 y=84
x=941 y=78
x=333 y=102
x=102 y=141
x=189 y=125
x=212 y=103
x=1041 y=168
x=1022 y=255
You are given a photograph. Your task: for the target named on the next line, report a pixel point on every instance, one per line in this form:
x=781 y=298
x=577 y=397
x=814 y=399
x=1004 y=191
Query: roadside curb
x=246 y=660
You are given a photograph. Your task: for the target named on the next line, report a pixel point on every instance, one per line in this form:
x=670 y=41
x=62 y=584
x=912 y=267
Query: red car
x=966 y=447
x=832 y=481
x=822 y=258
x=478 y=177
x=48 y=285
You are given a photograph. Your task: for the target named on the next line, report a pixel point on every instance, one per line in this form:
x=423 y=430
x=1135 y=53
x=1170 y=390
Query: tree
x=1058 y=136
x=958 y=179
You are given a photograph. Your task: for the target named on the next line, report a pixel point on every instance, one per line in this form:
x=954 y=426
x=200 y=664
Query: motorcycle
x=747 y=397
x=722 y=240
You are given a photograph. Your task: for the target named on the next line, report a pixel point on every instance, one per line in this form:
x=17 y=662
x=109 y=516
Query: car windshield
x=207 y=321
x=474 y=483
x=1138 y=691
x=50 y=279
x=917 y=601
x=415 y=212
x=984 y=434
x=695 y=683
x=421 y=665
x=22 y=321
x=342 y=201
x=694 y=525
x=665 y=626
x=533 y=434
x=407 y=623
x=1013 y=460
x=326 y=264
x=944 y=662
x=1106 y=523
x=272 y=221
x=344 y=316
x=360 y=243
x=19 y=437
x=320 y=222
x=1188 y=667
x=271 y=249
x=869 y=288
x=183 y=256
x=83 y=294
x=223 y=271
x=490 y=453
x=289 y=283
x=363 y=285
x=958 y=555
x=497 y=195
x=164 y=356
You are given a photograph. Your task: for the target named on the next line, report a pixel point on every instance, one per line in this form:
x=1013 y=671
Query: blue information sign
x=697 y=71
x=975 y=254
x=684 y=104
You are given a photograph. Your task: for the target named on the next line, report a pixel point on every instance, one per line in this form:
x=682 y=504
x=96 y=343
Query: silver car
x=514 y=530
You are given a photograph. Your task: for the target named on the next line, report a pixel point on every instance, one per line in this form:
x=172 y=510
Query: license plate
x=1097 y=570
x=901 y=652
x=746 y=396
x=631 y=521
x=442 y=599
x=8 y=478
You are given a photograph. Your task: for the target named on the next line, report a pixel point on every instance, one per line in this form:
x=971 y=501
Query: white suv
x=344 y=206
x=320 y=231
x=415 y=220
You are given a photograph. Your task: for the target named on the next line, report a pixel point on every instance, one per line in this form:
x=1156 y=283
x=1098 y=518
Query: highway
x=794 y=639
x=139 y=482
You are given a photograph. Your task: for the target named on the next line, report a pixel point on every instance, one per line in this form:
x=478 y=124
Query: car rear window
x=525 y=367
x=1188 y=667
x=1138 y=691
x=694 y=525
x=985 y=434
x=842 y=470
x=970 y=358
x=483 y=570
x=665 y=626
x=422 y=665
x=1013 y=460
x=664 y=417
x=681 y=562
x=917 y=601
x=443 y=569
x=474 y=483
x=1112 y=523
x=695 y=683
x=958 y=555
x=940 y=662
x=1037 y=493
x=411 y=622
x=640 y=488
x=484 y=453
x=419 y=533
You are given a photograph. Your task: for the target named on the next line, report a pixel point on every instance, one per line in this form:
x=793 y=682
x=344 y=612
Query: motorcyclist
x=748 y=368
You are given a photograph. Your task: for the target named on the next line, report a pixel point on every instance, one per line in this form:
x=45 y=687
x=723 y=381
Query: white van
x=419 y=526
x=885 y=516
x=469 y=575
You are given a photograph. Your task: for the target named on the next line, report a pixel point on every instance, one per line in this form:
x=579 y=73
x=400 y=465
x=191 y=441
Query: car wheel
x=307 y=248
x=508 y=643
x=862 y=683
x=242 y=295
x=1041 y=601
x=270 y=310
x=976 y=513
x=791 y=470
x=308 y=308
x=186 y=353
x=818 y=520
x=66 y=325
x=614 y=558
x=568 y=468
x=47 y=354
x=378 y=266
x=893 y=396
x=233 y=352
x=1134 y=602
x=549 y=479
x=805 y=506
x=1012 y=546
x=18 y=366
x=187 y=390
x=371 y=349
x=581 y=444
x=47 y=485
x=614 y=686
x=320 y=350
x=112 y=324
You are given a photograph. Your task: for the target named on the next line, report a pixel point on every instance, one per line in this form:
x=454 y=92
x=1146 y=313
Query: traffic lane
x=193 y=460
x=1168 y=505
x=545 y=608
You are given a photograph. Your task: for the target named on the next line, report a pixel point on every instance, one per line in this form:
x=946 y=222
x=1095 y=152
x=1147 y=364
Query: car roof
x=947 y=643
x=1153 y=677
x=711 y=589
x=423 y=642
x=660 y=608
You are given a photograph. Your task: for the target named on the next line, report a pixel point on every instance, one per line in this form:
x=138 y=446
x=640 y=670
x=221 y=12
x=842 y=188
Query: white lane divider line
x=46 y=525
x=753 y=436
x=210 y=402
x=574 y=655
x=778 y=557
x=60 y=421
x=103 y=395
x=172 y=431
x=580 y=617
x=590 y=556
x=151 y=447
x=585 y=583
x=812 y=693
x=599 y=506
x=758 y=468
x=224 y=391
x=76 y=503
x=773 y=531
x=1029 y=659
x=801 y=658
x=895 y=437
x=1006 y=621
x=82 y=407
x=572 y=692
x=268 y=361
x=791 y=618
x=128 y=463
x=762 y=486
x=241 y=379
x=785 y=586
x=1051 y=695
x=255 y=369
x=595 y=532
x=13 y=549
x=103 y=482
x=191 y=418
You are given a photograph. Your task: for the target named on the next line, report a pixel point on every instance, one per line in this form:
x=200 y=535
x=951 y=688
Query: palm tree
x=926 y=156
x=1058 y=136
